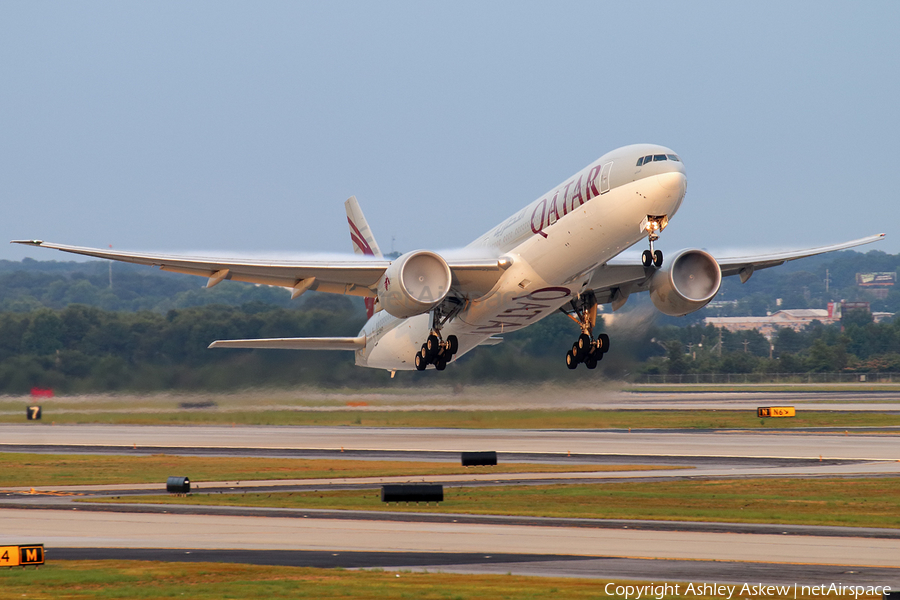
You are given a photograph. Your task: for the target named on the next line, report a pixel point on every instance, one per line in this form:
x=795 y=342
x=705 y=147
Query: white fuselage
x=554 y=244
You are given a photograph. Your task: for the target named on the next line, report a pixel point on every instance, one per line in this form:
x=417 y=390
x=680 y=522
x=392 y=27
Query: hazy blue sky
x=242 y=126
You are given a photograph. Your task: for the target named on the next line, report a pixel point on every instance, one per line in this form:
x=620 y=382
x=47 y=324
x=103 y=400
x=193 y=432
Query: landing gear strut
x=653 y=225
x=586 y=348
x=436 y=350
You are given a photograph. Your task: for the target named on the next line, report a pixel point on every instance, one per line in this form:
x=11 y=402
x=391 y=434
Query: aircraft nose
x=672 y=181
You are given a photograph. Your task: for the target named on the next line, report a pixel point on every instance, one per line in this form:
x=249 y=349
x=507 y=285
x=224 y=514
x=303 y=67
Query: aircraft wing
x=353 y=277
x=614 y=281
x=746 y=265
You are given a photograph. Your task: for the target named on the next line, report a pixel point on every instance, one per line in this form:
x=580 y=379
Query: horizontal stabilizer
x=332 y=343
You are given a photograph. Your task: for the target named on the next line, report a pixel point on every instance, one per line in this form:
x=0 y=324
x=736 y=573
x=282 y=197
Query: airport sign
x=776 y=411
x=21 y=556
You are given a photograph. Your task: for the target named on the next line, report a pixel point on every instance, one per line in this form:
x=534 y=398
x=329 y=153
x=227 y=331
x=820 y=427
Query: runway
x=58 y=529
x=718 y=443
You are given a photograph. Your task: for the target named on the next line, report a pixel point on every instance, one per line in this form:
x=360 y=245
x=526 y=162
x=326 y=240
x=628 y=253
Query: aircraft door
x=604 y=177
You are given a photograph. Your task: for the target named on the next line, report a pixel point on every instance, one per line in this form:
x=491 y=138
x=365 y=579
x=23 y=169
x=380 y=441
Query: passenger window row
x=656 y=157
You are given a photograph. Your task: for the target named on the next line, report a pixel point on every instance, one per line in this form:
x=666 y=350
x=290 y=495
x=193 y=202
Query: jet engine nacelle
x=414 y=284
x=689 y=282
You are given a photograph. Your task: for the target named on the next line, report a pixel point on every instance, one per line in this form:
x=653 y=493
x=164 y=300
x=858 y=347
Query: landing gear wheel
x=603 y=340
x=583 y=344
x=591 y=361
x=571 y=361
x=421 y=363
x=657 y=258
x=433 y=344
x=440 y=364
x=646 y=258
x=454 y=344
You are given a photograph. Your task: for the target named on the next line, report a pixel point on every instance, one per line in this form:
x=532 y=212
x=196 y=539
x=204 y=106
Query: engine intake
x=414 y=284
x=690 y=281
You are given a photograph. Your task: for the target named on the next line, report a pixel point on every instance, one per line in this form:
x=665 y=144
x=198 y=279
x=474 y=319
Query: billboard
x=876 y=279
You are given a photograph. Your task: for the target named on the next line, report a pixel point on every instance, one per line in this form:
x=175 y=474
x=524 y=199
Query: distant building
x=796 y=318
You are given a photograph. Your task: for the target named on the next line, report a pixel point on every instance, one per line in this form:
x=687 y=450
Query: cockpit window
x=673 y=157
x=640 y=161
x=657 y=157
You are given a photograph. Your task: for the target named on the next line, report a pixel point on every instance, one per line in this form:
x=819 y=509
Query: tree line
x=87 y=349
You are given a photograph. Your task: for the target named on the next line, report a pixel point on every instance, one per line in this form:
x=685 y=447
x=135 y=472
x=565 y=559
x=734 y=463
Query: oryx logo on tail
x=363 y=241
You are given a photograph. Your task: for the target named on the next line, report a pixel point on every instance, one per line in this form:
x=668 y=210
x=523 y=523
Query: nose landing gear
x=653 y=225
x=586 y=348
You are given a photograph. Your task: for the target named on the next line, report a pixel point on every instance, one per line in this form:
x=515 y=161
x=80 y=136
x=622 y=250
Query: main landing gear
x=653 y=225
x=586 y=349
x=436 y=350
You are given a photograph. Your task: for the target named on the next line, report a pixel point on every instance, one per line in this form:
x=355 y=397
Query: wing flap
x=332 y=343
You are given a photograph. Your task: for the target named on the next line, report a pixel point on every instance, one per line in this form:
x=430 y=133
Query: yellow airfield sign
x=776 y=411
x=21 y=556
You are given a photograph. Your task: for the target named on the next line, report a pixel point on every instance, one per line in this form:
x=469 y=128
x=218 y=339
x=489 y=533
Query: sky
x=241 y=127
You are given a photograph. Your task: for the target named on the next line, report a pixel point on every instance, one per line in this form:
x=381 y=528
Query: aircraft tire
x=571 y=361
x=646 y=258
x=420 y=362
x=657 y=258
x=441 y=364
x=584 y=345
x=433 y=344
x=454 y=344
x=591 y=361
x=604 y=343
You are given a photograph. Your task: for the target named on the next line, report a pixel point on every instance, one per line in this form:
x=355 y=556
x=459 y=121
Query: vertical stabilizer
x=363 y=241
x=360 y=234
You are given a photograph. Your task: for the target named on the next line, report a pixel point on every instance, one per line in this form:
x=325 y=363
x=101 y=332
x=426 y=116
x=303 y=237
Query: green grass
x=102 y=580
x=503 y=419
x=27 y=470
x=865 y=502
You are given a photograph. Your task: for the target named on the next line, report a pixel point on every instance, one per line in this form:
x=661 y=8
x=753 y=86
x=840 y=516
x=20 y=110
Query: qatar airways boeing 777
x=557 y=253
